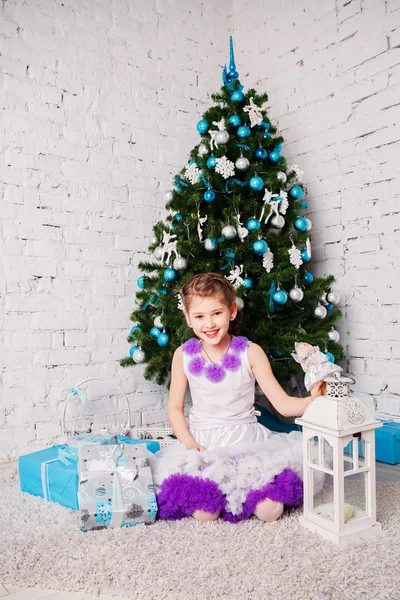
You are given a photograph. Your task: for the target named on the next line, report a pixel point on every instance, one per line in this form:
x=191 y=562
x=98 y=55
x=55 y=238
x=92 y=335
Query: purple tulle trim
x=287 y=487
x=239 y=343
x=180 y=495
x=231 y=361
x=192 y=346
x=215 y=373
x=196 y=365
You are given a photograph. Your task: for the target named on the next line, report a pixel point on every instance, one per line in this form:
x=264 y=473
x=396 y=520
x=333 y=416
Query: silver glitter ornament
x=334 y=335
x=229 y=232
x=333 y=297
x=296 y=294
x=320 y=312
x=153 y=241
x=281 y=176
x=158 y=252
x=242 y=163
x=139 y=356
x=210 y=245
x=158 y=323
x=240 y=303
x=180 y=263
x=203 y=150
x=277 y=221
x=222 y=137
x=168 y=195
x=309 y=224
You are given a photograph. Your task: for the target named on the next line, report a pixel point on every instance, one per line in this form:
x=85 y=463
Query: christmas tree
x=237 y=209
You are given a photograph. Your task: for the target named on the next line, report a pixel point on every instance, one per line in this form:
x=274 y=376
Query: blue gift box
x=52 y=473
x=387 y=441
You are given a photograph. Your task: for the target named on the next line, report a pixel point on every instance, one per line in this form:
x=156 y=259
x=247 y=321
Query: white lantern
x=339 y=441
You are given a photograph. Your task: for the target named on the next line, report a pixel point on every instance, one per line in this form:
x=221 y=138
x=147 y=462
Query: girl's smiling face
x=210 y=317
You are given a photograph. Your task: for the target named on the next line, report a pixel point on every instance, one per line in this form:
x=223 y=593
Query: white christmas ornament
x=139 y=356
x=242 y=163
x=153 y=241
x=225 y=167
x=209 y=245
x=308 y=247
x=295 y=257
x=299 y=172
x=229 y=232
x=180 y=263
x=158 y=252
x=240 y=303
x=281 y=176
x=284 y=203
x=201 y=222
x=235 y=276
x=221 y=137
x=168 y=247
x=277 y=221
x=333 y=297
x=242 y=231
x=296 y=294
x=158 y=323
x=309 y=224
x=168 y=196
x=268 y=260
x=334 y=335
x=255 y=113
x=181 y=306
x=203 y=150
x=320 y=312
x=192 y=173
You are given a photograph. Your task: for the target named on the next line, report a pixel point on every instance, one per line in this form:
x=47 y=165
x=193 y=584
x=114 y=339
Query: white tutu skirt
x=242 y=464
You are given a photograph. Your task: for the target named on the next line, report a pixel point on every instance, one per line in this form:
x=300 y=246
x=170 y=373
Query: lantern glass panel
x=327 y=454
x=355 y=496
x=323 y=504
x=313 y=450
x=348 y=457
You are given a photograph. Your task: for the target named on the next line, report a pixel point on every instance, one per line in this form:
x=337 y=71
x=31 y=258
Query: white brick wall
x=99 y=103
x=332 y=72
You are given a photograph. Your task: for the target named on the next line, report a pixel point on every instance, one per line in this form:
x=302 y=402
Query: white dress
x=241 y=455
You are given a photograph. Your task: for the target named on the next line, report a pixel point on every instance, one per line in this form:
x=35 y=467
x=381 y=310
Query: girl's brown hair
x=211 y=284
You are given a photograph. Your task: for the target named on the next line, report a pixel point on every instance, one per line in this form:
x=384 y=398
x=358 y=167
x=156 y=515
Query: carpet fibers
x=41 y=545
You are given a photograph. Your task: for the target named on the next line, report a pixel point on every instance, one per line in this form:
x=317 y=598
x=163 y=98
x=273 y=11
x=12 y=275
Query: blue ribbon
x=204 y=180
x=270 y=293
x=243 y=146
x=76 y=392
x=147 y=303
x=179 y=180
x=235 y=181
x=230 y=255
x=66 y=456
x=264 y=124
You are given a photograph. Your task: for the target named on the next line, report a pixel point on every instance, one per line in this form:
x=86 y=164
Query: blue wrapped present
x=52 y=473
x=387 y=442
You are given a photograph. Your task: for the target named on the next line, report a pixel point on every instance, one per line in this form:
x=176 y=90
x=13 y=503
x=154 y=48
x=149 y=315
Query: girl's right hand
x=195 y=446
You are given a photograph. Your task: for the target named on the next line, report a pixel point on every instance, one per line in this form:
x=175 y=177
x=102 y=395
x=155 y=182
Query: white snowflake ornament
x=225 y=167
x=235 y=276
x=295 y=257
x=192 y=173
x=268 y=261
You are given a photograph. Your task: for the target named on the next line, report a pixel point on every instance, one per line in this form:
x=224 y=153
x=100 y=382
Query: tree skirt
x=41 y=545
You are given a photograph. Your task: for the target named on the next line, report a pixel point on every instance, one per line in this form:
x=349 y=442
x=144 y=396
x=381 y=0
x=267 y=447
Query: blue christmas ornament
x=141 y=282
x=228 y=77
x=237 y=96
x=308 y=277
x=232 y=74
x=280 y=297
x=234 y=120
x=209 y=196
x=211 y=162
x=278 y=148
x=203 y=126
x=170 y=274
x=329 y=306
x=163 y=340
x=178 y=217
x=248 y=283
x=305 y=257
x=266 y=135
x=296 y=192
x=274 y=156
x=277 y=353
x=304 y=205
x=135 y=330
x=330 y=357
x=244 y=131
x=253 y=224
x=155 y=332
x=301 y=224
x=261 y=153
x=132 y=350
x=260 y=246
x=256 y=183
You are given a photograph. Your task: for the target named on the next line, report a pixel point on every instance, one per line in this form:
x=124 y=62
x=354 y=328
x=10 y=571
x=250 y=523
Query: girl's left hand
x=319 y=389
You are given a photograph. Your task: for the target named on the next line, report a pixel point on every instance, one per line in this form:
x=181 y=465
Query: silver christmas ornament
x=296 y=294
x=180 y=263
x=168 y=195
x=281 y=176
x=229 y=232
x=158 y=323
x=277 y=221
x=240 y=303
x=210 y=245
x=320 y=312
x=222 y=137
x=158 y=252
x=203 y=150
x=139 y=356
x=334 y=335
x=153 y=241
x=322 y=298
x=309 y=224
x=333 y=297
x=242 y=163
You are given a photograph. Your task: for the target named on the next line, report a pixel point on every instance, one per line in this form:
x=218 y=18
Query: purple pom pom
x=239 y=343
x=196 y=365
x=192 y=346
x=231 y=361
x=215 y=373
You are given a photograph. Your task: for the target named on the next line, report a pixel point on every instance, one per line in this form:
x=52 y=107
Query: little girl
x=227 y=464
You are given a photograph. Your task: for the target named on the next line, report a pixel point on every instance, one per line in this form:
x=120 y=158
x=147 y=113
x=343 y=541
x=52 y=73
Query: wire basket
x=163 y=434
x=89 y=420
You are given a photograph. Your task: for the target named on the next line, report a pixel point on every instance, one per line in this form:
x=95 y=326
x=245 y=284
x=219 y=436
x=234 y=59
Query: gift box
x=387 y=442
x=115 y=486
x=104 y=437
x=52 y=473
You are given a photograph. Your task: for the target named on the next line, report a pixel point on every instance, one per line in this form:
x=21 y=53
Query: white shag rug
x=41 y=545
